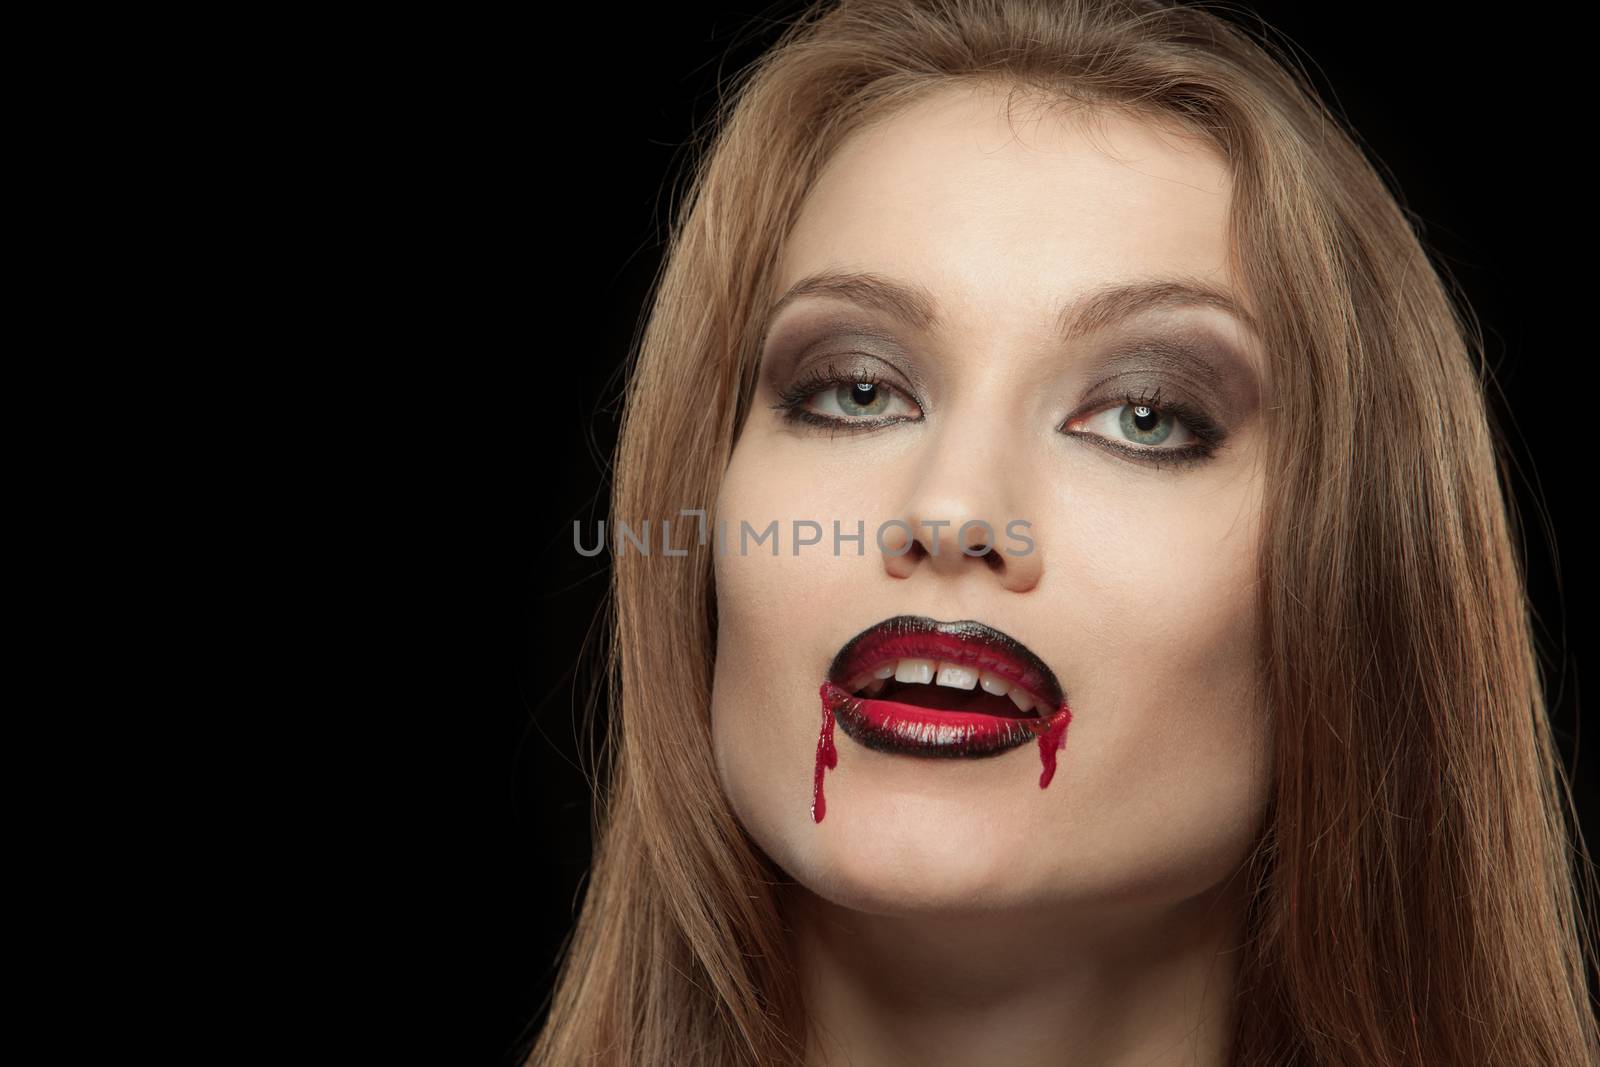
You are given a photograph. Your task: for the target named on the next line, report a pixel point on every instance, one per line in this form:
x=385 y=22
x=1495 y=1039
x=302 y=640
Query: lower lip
x=906 y=729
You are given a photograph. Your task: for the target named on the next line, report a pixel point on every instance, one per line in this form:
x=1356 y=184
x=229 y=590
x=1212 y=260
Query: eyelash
x=792 y=399
x=1209 y=435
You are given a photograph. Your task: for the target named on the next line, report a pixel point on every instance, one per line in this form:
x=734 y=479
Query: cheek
x=1173 y=741
x=1170 y=607
x=766 y=606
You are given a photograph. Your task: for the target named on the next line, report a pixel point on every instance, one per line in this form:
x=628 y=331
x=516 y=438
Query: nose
x=957 y=519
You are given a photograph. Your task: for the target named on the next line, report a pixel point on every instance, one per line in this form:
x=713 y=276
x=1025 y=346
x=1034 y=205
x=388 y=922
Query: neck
x=1107 y=986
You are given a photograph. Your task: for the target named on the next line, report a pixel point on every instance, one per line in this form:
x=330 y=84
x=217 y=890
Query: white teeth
x=918 y=671
x=954 y=676
x=993 y=683
x=950 y=675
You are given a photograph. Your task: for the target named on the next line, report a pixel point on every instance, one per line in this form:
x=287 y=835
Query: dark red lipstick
x=915 y=686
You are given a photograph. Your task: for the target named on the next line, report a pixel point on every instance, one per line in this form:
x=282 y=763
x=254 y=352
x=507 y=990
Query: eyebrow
x=916 y=307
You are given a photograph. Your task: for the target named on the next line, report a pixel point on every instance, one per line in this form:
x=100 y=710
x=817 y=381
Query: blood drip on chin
x=1053 y=738
x=827 y=757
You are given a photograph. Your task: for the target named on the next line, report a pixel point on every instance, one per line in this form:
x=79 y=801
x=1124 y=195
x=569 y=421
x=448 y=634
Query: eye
x=830 y=398
x=1148 y=430
x=1140 y=423
x=862 y=400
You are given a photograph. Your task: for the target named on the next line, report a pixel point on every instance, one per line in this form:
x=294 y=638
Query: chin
x=893 y=865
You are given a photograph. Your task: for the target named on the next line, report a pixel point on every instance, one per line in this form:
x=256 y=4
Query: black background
x=557 y=146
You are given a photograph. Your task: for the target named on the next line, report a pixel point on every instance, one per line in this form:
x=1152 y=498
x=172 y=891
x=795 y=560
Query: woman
x=1102 y=640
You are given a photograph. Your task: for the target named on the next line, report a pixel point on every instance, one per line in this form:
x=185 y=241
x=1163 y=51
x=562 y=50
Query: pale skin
x=949 y=911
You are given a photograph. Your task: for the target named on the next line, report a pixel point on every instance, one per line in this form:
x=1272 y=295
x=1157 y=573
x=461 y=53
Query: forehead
x=1000 y=216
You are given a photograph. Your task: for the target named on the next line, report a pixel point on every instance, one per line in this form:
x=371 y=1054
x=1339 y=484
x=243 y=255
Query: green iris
x=862 y=398
x=1145 y=425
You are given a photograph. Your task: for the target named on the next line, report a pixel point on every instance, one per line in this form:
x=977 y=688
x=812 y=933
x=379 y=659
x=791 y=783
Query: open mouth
x=914 y=685
x=944 y=686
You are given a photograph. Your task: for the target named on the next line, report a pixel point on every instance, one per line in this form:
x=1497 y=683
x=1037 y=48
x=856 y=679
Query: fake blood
x=1050 y=741
x=827 y=757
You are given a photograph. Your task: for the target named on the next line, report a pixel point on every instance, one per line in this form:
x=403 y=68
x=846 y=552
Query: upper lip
x=964 y=641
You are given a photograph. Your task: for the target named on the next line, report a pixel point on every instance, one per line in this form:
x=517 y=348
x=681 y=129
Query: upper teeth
x=953 y=675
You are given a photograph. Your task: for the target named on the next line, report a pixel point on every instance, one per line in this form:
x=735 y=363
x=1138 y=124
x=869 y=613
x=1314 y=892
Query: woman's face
x=1002 y=394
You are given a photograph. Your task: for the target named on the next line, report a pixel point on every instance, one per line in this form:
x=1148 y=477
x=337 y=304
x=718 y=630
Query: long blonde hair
x=1414 y=900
